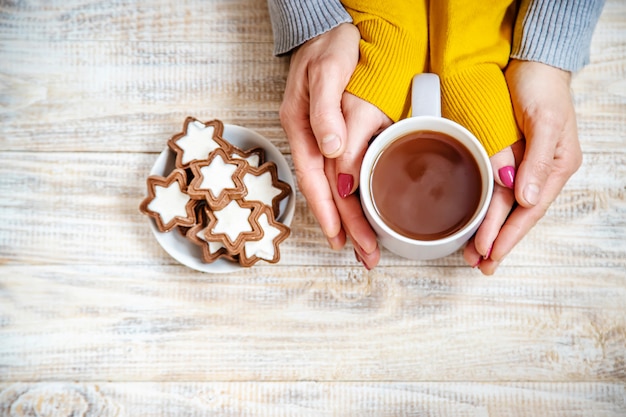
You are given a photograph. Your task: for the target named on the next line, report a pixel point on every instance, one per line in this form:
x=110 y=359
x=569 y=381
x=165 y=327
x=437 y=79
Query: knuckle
x=302 y=184
x=577 y=160
x=542 y=168
x=284 y=113
x=322 y=63
x=569 y=158
x=546 y=116
x=285 y=110
x=288 y=114
x=320 y=115
x=305 y=179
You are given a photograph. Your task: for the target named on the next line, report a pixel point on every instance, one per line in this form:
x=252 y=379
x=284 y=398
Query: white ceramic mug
x=426 y=110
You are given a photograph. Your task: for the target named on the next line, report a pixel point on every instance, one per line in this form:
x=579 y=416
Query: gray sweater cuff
x=556 y=32
x=295 y=22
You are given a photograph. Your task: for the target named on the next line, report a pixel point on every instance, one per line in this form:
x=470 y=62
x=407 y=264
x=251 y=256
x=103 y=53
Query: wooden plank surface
x=190 y=21
x=65 y=205
x=314 y=399
x=167 y=323
x=97 y=320
x=133 y=96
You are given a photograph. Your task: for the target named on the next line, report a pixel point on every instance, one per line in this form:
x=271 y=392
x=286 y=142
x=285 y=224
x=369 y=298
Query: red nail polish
x=477 y=263
x=507 y=176
x=345 y=182
x=488 y=253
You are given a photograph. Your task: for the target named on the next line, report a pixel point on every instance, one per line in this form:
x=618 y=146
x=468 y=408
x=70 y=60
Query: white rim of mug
x=435 y=124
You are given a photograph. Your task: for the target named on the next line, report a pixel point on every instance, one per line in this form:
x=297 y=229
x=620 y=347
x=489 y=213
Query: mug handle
x=426 y=95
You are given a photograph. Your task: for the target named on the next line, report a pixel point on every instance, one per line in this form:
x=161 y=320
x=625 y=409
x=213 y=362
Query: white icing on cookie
x=169 y=202
x=260 y=188
x=198 y=142
x=213 y=246
x=253 y=160
x=217 y=176
x=232 y=220
x=263 y=248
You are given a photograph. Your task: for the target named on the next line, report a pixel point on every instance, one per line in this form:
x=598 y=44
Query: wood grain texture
x=313 y=399
x=97 y=320
x=230 y=21
x=132 y=96
x=167 y=323
x=83 y=208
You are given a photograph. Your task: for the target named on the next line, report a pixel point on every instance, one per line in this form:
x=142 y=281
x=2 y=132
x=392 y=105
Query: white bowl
x=186 y=252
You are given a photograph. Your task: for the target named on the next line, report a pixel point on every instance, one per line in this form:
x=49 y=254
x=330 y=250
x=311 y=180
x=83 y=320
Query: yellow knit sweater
x=466 y=43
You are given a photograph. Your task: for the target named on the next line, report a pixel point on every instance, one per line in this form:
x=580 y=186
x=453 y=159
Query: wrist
x=538 y=69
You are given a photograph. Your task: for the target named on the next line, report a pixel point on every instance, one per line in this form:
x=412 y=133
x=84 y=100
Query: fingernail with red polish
x=477 y=263
x=345 y=182
x=507 y=176
x=488 y=253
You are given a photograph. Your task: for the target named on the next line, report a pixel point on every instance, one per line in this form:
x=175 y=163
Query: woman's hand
x=363 y=121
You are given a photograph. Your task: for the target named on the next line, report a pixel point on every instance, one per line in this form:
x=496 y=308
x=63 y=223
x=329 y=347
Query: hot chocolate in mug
x=426 y=181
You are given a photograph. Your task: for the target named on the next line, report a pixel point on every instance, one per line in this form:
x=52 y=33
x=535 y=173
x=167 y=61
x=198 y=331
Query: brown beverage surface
x=426 y=185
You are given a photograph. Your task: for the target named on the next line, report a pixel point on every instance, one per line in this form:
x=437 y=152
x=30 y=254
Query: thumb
x=542 y=133
x=363 y=121
x=326 y=117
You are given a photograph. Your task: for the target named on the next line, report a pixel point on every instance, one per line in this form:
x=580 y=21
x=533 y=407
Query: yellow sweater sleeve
x=393 y=48
x=466 y=43
x=470 y=43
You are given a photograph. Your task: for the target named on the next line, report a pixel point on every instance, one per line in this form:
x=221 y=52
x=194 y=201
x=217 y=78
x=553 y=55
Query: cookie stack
x=222 y=198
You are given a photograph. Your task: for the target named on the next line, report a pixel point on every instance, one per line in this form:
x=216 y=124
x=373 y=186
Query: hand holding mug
x=545 y=114
x=312 y=118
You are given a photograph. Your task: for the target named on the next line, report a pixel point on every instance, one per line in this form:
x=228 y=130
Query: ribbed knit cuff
x=556 y=32
x=295 y=22
x=478 y=98
x=389 y=58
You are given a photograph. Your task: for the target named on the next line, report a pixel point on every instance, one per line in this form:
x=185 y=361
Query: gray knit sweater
x=554 y=32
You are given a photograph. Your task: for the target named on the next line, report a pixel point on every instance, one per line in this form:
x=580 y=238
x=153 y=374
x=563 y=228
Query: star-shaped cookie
x=235 y=224
x=262 y=184
x=168 y=202
x=274 y=233
x=217 y=179
x=254 y=156
x=197 y=141
x=212 y=248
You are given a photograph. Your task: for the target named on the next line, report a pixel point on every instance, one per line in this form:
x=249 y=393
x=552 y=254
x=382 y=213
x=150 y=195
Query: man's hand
x=312 y=117
x=544 y=112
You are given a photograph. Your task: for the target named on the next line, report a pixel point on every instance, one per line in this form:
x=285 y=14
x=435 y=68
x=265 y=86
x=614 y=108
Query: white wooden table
x=97 y=320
